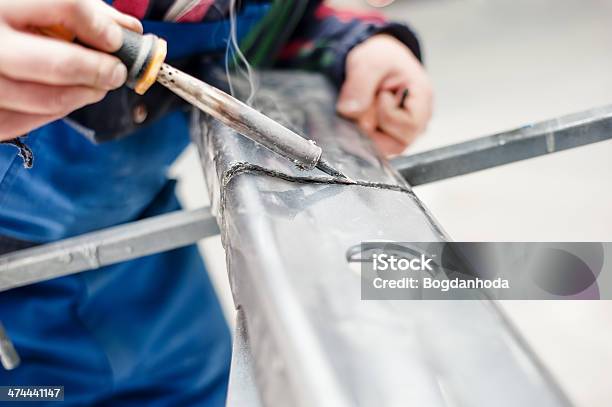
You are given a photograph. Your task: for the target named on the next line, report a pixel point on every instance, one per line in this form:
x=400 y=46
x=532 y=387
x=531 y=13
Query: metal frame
x=181 y=228
x=547 y=137
x=102 y=248
x=267 y=316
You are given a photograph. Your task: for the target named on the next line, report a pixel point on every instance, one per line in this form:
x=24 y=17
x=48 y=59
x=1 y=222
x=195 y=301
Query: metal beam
x=9 y=358
x=242 y=390
x=105 y=247
x=531 y=141
x=313 y=341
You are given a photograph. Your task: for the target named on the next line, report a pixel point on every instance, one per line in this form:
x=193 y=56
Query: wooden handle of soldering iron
x=143 y=55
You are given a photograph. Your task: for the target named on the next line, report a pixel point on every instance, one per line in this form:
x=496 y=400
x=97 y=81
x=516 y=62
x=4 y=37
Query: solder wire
x=234 y=53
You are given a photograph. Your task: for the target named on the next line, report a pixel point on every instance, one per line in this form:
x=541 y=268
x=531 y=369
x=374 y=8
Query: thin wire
x=234 y=53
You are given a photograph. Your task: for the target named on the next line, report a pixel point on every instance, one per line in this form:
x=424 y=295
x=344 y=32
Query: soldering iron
x=144 y=57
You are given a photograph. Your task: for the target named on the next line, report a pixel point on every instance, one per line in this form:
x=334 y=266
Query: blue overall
x=145 y=332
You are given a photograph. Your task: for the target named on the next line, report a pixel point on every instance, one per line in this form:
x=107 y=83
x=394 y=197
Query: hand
x=377 y=72
x=43 y=79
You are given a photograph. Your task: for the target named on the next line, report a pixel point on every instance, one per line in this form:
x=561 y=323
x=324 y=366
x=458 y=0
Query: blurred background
x=495 y=65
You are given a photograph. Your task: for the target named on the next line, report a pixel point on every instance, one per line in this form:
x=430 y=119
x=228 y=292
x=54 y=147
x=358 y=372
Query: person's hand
x=43 y=79
x=377 y=73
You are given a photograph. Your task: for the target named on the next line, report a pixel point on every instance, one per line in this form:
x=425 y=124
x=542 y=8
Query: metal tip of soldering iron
x=329 y=170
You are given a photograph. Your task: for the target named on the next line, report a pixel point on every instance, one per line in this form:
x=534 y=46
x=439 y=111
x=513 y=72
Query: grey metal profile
x=97 y=249
x=531 y=141
x=9 y=358
x=242 y=390
x=313 y=341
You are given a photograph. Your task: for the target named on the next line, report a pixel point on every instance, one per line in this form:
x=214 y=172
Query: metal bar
x=243 y=118
x=242 y=390
x=8 y=355
x=105 y=247
x=314 y=342
x=531 y=141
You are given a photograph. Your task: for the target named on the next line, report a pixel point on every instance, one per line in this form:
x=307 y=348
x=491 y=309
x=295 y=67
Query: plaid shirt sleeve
x=325 y=36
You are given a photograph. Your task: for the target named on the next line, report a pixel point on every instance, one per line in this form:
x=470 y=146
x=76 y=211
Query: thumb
x=358 y=91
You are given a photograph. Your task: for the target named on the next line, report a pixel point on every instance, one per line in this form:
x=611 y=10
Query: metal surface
x=109 y=246
x=314 y=342
x=8 y=355
x=242 y=118
x=242 y=390
x=538 y=139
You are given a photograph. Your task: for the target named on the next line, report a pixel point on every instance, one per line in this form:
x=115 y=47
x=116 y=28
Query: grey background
x=497 y=64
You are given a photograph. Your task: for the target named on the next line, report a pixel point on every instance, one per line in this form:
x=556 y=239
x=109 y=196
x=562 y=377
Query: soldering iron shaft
x=244 y=119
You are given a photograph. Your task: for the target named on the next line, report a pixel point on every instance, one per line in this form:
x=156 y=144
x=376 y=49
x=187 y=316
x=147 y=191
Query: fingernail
x=350 y=106
x=114 y=36
x=138 y=26
x=119 y=76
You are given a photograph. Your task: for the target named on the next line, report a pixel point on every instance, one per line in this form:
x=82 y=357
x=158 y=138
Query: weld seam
x=245 y=167
x=249 y=168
